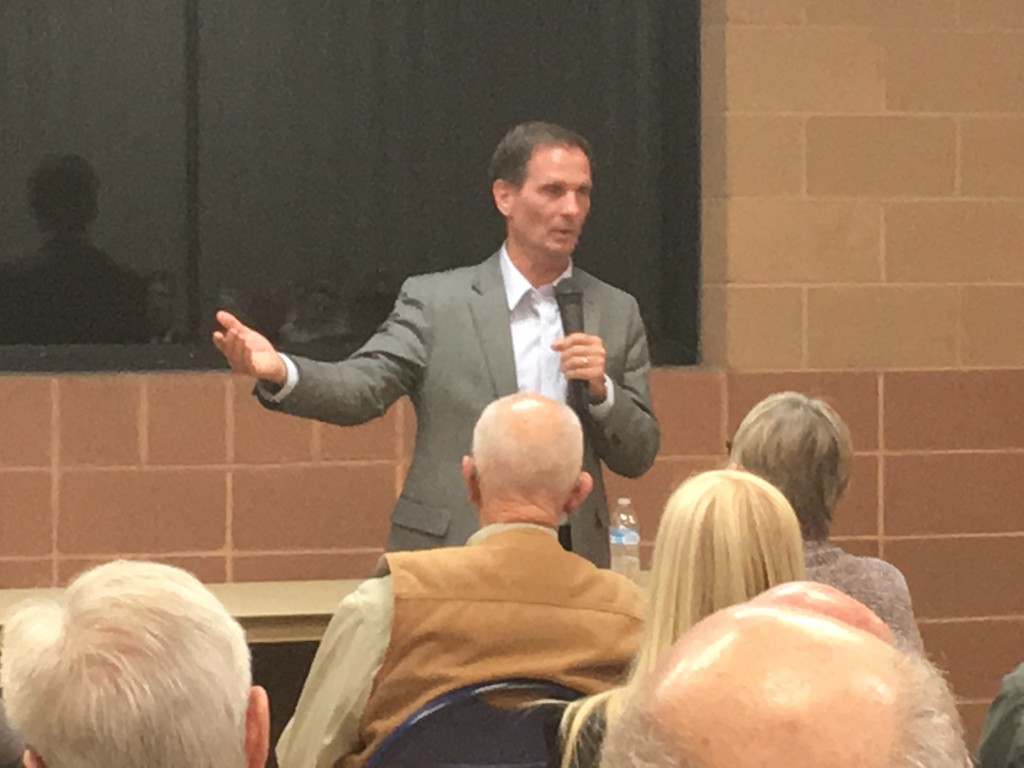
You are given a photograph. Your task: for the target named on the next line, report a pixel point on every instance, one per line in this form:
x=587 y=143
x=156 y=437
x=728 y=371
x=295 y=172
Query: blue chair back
x=460 y=729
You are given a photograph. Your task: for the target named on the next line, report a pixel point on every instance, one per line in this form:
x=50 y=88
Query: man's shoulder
x=447 y=279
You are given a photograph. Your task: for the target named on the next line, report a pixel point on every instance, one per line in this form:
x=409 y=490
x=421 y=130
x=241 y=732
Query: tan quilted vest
x=512 y=605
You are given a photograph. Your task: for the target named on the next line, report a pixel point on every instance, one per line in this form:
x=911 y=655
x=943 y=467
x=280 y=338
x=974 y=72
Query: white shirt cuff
x=289 y=383
x=602 y=409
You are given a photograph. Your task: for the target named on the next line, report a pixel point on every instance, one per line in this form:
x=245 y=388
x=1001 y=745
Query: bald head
x=825 y=601
x=773 y=685
x=526 y=460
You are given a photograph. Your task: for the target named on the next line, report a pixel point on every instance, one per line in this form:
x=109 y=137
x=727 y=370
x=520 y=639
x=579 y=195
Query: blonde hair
x=725 y=536
x=801 y=446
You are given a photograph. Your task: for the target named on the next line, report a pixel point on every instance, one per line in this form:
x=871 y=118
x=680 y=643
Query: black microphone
x=570 y=305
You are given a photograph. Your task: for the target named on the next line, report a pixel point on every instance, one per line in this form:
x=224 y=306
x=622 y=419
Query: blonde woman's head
x=801 y=446
x=724 y=537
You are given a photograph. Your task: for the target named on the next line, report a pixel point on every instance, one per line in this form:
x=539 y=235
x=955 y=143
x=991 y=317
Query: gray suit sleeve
x=364 y=386
x=627 y=438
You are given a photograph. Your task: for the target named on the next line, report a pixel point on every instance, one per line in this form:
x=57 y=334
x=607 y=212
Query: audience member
x=1002 y=736
x=766 y=684
x=827 y=601
x=801 y=446
x=136 y=665
x=724 y=537
x=512 y=603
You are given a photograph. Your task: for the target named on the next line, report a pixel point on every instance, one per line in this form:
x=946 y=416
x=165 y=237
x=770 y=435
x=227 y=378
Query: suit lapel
x=489 y=308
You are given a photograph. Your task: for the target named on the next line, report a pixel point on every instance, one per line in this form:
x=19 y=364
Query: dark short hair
x=63 y=192
x=514 y=150
x=802 y=446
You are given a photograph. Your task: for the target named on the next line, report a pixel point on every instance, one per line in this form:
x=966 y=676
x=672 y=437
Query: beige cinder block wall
x=863 y=184
x=863 y=192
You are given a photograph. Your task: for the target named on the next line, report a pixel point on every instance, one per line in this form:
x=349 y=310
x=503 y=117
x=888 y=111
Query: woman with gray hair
x=802 y=446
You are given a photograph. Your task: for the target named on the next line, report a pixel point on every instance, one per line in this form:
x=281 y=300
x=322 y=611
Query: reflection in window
x=68 y=291
x=92 y=235
x=295 y=161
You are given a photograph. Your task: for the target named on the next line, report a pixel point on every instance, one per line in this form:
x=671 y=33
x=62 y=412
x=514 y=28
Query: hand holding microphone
x=582 y=354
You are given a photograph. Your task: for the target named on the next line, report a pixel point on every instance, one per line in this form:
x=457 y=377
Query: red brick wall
x=188 y=469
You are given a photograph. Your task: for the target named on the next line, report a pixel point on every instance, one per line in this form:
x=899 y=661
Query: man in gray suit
x=459 y=339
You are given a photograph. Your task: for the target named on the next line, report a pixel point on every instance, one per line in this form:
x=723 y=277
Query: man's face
x=545 y=215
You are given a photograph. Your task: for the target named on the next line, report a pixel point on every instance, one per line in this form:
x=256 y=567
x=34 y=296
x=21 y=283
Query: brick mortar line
x=202 y=553
x=55 y=477
x=879 y=284
x=882 y=199
x=333 y=464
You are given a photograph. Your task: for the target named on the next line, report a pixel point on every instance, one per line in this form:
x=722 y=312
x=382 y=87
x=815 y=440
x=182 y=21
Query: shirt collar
x=490 y=530
x=516 y=285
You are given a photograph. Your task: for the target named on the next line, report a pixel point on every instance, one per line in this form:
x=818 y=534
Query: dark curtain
x=344 y=146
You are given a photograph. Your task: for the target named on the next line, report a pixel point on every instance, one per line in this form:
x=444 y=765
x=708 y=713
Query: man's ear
x=503 y=192
x=257 y=728
x=471 y=479
x=584 y=485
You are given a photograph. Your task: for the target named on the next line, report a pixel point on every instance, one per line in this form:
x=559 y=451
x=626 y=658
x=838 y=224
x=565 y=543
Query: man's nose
x=571 y=204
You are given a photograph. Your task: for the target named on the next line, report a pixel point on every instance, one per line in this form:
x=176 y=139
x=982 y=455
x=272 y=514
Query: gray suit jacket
x=448 y=346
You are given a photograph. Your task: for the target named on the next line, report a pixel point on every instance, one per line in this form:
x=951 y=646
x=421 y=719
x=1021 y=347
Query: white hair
x=931 y=734
x=637 y=739
x=528 y=445
x=138 y=665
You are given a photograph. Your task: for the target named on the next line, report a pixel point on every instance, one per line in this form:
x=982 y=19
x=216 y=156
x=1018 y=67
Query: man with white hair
x=792 y=679
x=512 y=603
x=137 y=664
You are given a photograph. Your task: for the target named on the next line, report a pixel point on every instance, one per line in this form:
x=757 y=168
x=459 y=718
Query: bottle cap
x=623 y=501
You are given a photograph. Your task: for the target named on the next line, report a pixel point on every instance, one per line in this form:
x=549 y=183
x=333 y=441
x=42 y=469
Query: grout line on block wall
x=958 y=156
x=106 y=556
x=882 y=266
x=922 y=114
x=752 y=285
x=723 y=398
x=1008 y=618
x=957 y=536
x=805 y=343
x=143 y=423
x=229 y=419
x=958 y=327
x=229 y=544
x=873 y=368
x=54 y=476
x=292 y=552
x=881 y=464
x=255 y=465
x=803 y=157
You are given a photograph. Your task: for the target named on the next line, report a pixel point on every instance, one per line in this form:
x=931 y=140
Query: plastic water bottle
x=624 y=540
